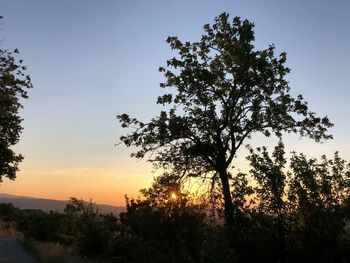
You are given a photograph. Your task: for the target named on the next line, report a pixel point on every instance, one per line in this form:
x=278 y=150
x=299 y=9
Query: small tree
x=224 y=91
x=84 y=225
x=270 y=190
x=318 y=192
x=13 y=85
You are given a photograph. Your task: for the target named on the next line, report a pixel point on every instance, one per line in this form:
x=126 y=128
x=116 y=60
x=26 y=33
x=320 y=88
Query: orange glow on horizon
x=102 y=185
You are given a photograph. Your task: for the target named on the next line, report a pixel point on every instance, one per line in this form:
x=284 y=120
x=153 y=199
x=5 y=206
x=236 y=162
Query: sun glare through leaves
x=173 y=196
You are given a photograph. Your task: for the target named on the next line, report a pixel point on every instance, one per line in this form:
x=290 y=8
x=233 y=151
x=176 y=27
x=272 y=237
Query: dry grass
x=7 y=229
x=54 y=253
x=49 y=252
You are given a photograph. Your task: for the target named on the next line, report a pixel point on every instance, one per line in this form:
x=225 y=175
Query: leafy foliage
x=13 y=86
x=84 y=225
x=170 y=226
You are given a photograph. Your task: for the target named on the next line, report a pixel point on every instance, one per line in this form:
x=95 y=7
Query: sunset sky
x=91 y=60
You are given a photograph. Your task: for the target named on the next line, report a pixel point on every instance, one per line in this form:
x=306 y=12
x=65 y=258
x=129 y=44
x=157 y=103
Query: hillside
x=26 y=202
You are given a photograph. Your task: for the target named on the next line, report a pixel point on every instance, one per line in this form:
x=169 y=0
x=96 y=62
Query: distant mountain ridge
x=26 y=202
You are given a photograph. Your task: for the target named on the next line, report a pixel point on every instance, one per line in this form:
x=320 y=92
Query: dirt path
x=12 y=252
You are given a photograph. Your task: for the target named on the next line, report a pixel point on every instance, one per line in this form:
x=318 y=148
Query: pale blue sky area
x=91 y=60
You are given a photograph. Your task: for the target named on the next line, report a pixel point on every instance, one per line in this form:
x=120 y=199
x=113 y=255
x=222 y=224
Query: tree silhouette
x=271 y=191
x=84 y=225
x=223 y=91
x=13 y=85
x=319 y=191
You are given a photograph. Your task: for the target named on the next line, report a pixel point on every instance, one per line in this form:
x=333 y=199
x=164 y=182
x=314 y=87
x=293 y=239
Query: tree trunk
x=281 y=239
x=227 y=198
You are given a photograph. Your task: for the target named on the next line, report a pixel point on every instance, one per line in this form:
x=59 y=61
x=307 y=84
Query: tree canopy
x=13 y=87
x=222 y=90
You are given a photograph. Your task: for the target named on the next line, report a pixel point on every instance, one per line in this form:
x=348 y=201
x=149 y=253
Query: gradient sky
x=92 y=60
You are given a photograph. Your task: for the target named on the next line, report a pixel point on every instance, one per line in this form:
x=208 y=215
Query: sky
x=91 y=60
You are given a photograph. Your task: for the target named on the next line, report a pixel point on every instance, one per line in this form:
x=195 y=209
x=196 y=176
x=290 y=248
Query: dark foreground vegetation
x=296 y=216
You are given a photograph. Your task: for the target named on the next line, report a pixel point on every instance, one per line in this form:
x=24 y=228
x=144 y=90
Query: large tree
x=13 y=86
x=222 y=91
